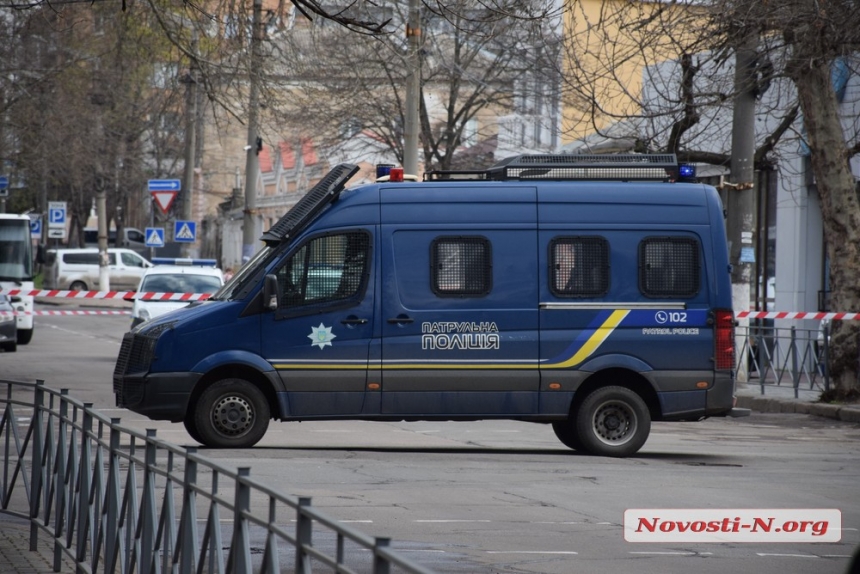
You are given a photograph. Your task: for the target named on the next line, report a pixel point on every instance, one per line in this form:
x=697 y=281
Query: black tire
x=78 y=286
x=10 y=347
x=231 y=413
x=613 y=421
x=566 y=433
x=25 y=336
x=191 y=427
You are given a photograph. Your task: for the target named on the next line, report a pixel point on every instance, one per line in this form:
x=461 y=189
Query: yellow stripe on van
x=594 y=341
x=591 y=344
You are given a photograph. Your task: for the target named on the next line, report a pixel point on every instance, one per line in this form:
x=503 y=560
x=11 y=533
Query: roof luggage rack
x=621 y=167
x=307 y=208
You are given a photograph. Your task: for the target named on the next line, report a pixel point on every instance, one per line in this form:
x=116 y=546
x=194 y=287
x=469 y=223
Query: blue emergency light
x=383 y=169
x=686 y=171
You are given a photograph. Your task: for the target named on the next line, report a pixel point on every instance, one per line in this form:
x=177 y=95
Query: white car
x=181 y=276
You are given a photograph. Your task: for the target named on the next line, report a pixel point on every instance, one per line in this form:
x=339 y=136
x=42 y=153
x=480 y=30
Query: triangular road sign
x=164 y=199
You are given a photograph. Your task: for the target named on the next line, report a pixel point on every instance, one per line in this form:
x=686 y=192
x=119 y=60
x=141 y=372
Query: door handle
x=401 y=320
x=354 y=321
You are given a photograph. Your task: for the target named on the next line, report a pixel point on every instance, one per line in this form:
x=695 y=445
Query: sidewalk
x=780 y=399
x=15 y=555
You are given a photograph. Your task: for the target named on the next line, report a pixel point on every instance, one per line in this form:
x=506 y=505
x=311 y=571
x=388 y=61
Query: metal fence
x=113 y=499
x=785 y=356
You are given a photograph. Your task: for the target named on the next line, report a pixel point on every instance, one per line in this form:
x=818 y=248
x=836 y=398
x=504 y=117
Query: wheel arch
x=619 y=377
x=238 y=371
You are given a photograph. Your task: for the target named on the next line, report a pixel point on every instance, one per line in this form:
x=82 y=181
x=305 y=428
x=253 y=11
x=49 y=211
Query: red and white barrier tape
x=128 y=295
x=66 y=313
x=797 y=315
x=131 y=295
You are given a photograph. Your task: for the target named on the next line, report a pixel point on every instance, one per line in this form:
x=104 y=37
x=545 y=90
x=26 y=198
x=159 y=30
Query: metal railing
x=113 y=499
x=785 y=356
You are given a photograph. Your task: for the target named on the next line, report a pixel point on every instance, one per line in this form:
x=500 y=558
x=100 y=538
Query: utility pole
x=741 y=212
x=190 y=81
x=101 y=211
x=413 y=90
x=249 y=228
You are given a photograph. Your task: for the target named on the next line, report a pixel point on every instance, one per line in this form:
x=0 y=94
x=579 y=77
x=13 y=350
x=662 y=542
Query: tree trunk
x=839 y=205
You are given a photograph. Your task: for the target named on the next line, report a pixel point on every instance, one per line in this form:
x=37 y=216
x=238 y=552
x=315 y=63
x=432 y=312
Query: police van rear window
x=669 y=267
x=461 y=266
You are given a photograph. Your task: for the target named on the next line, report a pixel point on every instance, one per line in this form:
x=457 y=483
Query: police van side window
x=669 y=267
x=460 y=266
x=327 y=269
x=579 y=266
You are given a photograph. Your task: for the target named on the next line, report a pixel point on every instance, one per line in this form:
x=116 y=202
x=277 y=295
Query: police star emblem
x=321 y=336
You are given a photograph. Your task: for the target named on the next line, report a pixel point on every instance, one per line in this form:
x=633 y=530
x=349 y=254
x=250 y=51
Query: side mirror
x=270 y=292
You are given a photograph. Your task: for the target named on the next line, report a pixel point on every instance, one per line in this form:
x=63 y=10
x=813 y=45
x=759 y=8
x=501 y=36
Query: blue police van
x=591 y=293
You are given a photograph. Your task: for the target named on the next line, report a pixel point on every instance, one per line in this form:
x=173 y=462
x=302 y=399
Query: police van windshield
x=231 y=288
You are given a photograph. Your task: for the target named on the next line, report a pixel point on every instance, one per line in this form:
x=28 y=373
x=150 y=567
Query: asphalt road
x=504 y=496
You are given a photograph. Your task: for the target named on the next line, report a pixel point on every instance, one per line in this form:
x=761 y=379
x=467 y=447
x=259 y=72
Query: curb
x=765 y=404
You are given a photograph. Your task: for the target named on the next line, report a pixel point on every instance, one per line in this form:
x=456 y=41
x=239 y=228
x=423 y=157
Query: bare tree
x=662 y=74
x=329 y=83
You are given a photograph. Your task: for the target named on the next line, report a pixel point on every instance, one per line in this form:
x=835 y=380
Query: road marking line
x=355 y=521
x=564 y=552
x=675 y=553
x=787 y=555
x=451 y=520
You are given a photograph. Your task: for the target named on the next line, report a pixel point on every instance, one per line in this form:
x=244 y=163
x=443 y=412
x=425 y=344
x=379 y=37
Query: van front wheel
x=231 y=413
x=613 y=421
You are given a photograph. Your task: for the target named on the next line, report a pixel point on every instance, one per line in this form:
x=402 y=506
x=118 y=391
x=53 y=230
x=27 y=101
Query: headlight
x=144 y=315
x=6 y=316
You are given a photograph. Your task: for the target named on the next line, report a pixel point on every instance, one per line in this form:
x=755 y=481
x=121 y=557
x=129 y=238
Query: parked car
x=180 y=276
x=78 y=269
x=8 y=325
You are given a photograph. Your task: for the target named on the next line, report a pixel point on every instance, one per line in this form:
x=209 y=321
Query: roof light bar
x=184 y=261
x=620 y=167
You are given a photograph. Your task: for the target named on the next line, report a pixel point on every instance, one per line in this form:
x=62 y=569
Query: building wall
x=604 y=54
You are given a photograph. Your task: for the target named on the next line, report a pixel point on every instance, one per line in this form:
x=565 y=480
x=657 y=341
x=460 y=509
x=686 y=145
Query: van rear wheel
x=231 y=413
x=566 y=433
x=191 y=428
x=613 y=421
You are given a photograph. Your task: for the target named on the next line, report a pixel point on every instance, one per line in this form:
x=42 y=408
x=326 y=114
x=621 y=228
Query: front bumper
x=161 y=396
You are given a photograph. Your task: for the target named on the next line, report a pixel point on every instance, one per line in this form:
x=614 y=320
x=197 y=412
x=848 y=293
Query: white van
x=78 y=269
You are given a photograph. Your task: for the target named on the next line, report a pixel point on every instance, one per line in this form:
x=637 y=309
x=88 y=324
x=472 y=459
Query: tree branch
x=771 y=141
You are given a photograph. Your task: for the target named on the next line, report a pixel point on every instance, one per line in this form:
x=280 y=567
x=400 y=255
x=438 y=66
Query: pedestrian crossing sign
x=154 y=237
x=185 y=231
